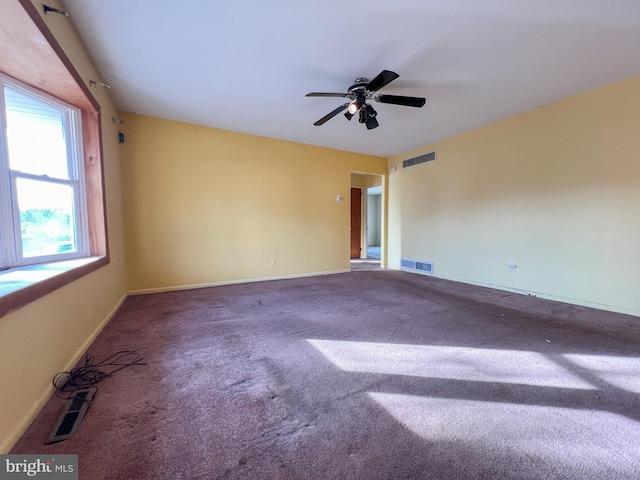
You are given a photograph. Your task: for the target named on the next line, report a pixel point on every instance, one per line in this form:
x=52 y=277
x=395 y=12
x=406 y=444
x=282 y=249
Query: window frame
x=23 y=29
x=12 y=255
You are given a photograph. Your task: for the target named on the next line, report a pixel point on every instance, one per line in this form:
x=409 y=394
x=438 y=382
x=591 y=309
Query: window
x=73 y=226
x=43 y=215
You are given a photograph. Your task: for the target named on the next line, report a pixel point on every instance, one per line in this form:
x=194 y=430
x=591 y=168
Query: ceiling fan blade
x=385 y=77
x=323 y=94
x=329 y=116
x=400 y=100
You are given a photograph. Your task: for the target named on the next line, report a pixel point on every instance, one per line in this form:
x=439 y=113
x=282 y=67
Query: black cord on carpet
x=93 y=370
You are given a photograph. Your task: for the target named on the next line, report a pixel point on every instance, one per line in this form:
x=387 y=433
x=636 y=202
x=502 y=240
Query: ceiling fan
x=363 y=90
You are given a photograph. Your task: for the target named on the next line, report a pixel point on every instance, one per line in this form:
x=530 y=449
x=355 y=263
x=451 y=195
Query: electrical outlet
x=274 y=261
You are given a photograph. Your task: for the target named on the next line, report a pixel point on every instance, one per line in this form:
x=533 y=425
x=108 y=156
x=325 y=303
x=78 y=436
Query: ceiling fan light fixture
x=368 y=116
x=354 y=107
x=362 y=116
x=371 y=113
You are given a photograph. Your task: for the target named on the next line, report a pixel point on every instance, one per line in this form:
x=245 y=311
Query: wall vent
x=426 y=267
x=427 y=157
x=408 y=263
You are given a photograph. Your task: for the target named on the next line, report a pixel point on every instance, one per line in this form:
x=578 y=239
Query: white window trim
x=10 y=239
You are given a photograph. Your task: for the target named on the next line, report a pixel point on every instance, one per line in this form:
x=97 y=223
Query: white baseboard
x=145 y=291
x=8 y=443
x=546 y=296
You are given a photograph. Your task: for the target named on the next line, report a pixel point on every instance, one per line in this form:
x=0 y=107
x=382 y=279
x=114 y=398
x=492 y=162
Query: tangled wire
x=93 y=370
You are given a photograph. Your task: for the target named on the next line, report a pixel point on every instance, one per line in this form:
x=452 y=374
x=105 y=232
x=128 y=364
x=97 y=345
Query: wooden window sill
x=23 y=285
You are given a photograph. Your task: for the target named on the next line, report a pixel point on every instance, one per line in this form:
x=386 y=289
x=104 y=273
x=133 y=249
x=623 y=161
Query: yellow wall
x=365 y=180
x=555 y=191
x=206 y=206
x=50 y=334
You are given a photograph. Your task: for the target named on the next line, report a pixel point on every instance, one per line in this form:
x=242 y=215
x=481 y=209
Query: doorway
x=356 y=222
x=367 y=211
x=374 y=222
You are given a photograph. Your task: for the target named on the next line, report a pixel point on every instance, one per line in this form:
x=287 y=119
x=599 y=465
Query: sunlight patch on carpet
x=622 y=372
x=578 y=439
x=455 y=363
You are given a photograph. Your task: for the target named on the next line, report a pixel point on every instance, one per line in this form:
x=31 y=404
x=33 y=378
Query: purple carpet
x=373 y=374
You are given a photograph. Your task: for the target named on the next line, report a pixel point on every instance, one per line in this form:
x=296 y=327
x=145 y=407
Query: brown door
x=356 y=219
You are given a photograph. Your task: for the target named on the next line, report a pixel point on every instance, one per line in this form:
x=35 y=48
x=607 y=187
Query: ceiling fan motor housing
x=359 y=84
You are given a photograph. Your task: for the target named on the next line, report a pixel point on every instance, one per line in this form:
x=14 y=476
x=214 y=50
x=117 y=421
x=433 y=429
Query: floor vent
x=72 y=415
x=426 y=267
x=427 y=157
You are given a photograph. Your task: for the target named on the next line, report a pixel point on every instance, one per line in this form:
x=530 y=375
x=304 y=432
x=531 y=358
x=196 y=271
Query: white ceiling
x=246 y=65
